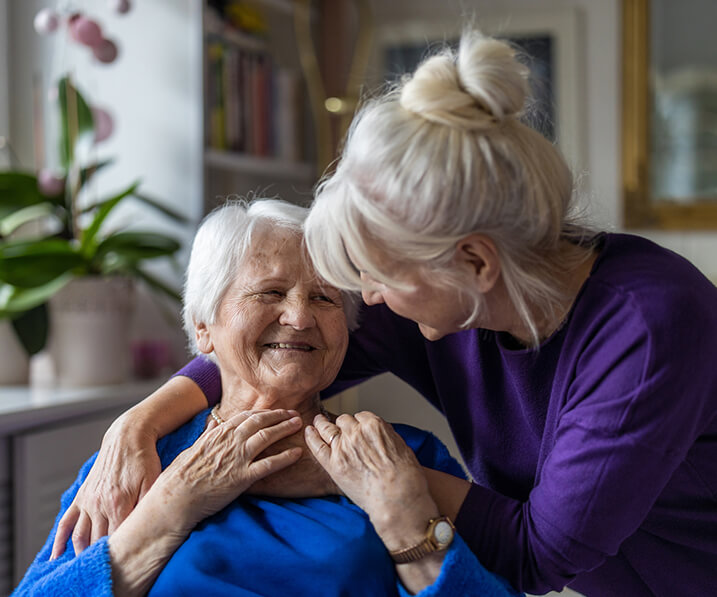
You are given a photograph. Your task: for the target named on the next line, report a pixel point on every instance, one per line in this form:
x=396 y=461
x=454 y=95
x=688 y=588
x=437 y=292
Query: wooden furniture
x=46 y=434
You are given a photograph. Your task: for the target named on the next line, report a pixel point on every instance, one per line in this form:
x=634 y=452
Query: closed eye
x=273 y=293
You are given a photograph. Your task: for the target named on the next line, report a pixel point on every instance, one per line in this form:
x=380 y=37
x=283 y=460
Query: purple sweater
x=595 y=457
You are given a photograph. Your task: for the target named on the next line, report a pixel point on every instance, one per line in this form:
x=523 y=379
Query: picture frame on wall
x=547 y=39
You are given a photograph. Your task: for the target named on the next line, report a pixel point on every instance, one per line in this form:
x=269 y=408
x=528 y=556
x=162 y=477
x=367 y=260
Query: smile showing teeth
x=303 y=347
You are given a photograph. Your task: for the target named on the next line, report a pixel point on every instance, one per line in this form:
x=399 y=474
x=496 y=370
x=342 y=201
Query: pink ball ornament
x=46 y=21
x=104 y=125
x=49 y=184
x=120 y=6
x=106 y=51
x=85 y=31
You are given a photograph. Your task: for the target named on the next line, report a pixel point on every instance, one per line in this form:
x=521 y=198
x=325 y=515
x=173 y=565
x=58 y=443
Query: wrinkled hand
x=126 y=467
x=225 y=461
x=304 y=478
x=375 y=468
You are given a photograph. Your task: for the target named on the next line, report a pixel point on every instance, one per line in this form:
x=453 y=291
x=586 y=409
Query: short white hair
x=219 y=247
x=441 y=155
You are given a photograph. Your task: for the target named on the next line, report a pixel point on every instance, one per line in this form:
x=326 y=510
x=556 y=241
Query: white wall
x=154 y=93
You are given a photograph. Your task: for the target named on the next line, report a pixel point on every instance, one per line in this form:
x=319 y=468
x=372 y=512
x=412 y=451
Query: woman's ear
x=203 y=337
x=479 y=256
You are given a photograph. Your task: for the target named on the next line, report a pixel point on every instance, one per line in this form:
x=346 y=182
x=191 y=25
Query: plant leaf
x=31 y=329
x=18 y=190
x=76 y=122
x=157 y=284
x=14 y=300
x=32 y=263
x=88 y=172
x=13 y=221
x=103 y=209
x=176 y=216
x=132 y=246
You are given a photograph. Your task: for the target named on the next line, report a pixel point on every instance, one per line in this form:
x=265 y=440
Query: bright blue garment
x=269 y=546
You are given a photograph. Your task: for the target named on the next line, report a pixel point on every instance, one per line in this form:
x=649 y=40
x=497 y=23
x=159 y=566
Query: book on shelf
x=254 y=106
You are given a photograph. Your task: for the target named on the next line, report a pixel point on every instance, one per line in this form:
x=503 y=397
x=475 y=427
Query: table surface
x=23 y=407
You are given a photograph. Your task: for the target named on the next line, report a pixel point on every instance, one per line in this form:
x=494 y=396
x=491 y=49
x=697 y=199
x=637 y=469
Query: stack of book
x=253 y=105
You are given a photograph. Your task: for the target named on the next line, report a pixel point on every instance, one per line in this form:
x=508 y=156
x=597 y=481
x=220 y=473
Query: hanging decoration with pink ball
x=49 y=183
x=46 y=21
x=120 y=6
x=104 y=125
x=105 y=51
x=83 y=29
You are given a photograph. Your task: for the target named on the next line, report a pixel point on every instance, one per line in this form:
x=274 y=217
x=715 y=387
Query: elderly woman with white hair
x=576 y=369
x=278 y=334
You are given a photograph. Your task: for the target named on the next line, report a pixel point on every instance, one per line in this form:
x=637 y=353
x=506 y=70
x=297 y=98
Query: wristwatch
x=439 y=535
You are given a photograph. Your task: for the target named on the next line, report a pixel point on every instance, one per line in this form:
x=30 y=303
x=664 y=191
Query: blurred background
x=197 y=100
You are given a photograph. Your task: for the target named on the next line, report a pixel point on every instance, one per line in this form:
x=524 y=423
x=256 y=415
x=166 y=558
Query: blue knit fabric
x=269 y=546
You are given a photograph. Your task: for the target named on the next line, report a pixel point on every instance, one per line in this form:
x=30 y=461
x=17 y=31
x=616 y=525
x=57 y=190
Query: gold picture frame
x=641 y=210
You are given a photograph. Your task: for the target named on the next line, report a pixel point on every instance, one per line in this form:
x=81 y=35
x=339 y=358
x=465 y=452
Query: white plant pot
x=89 y=331
x=14 y=362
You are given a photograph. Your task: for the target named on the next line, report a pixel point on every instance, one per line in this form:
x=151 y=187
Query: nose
x=297 y=314
x=370 y=290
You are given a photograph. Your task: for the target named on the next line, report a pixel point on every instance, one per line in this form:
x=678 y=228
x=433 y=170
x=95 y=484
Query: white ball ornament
x=46 y=21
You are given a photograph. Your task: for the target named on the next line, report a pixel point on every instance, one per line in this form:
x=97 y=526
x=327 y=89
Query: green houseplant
x=77 y=241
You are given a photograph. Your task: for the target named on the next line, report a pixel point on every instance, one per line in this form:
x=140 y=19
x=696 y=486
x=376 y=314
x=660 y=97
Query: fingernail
x=295 y=420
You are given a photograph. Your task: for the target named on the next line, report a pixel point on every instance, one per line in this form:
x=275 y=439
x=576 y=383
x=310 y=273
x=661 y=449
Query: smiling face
x=280 y=334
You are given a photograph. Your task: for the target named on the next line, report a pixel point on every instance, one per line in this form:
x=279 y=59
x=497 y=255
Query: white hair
x=219 y=247
x=440 y=156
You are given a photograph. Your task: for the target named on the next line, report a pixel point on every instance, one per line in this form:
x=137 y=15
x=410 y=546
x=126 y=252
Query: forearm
x=141 y=546
x=166 y=409
x=406 y=528
x=447 y=491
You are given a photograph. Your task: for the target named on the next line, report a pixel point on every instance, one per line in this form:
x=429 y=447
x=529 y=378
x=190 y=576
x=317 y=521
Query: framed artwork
x=669 y=114
x=548 y=40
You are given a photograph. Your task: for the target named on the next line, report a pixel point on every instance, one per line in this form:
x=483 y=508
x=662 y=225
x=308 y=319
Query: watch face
x=443 y=533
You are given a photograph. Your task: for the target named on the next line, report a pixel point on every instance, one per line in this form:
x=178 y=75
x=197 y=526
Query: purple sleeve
x=205 y=374
x=633 y=409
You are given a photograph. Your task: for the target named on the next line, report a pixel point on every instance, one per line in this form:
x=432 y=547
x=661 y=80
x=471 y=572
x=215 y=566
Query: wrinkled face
x=436 y=308
x=279 y=330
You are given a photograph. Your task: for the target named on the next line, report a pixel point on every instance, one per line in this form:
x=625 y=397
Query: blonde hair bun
x=480 y=84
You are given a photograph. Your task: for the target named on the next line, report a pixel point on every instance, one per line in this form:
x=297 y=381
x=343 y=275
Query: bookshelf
x=258 y=136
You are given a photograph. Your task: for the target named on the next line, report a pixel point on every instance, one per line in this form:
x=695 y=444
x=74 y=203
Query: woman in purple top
x=577 y=371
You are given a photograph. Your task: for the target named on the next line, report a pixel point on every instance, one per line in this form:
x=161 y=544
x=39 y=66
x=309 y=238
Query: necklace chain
x=215 y=414
x=217 y=417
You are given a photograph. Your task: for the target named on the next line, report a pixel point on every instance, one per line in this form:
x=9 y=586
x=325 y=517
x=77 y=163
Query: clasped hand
x=204 y=478
x=374 y=467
